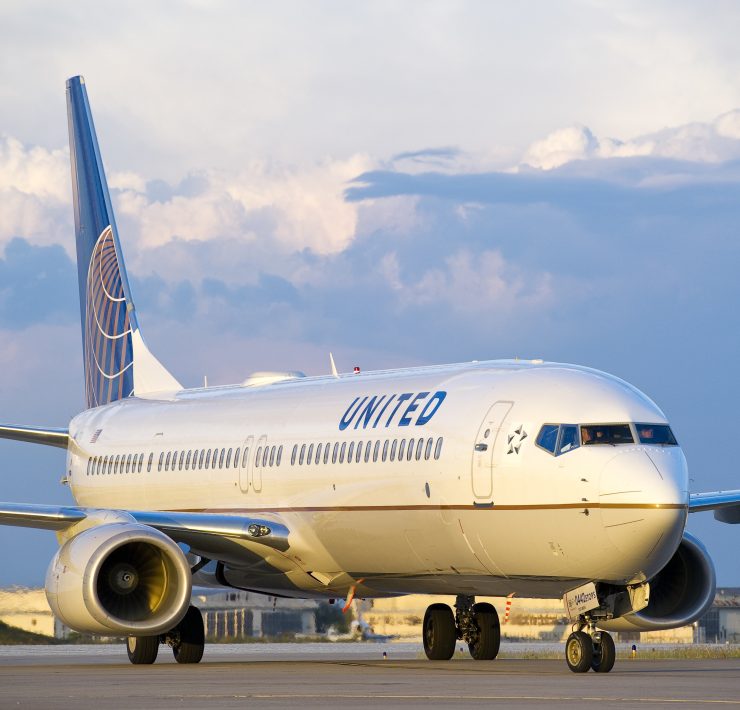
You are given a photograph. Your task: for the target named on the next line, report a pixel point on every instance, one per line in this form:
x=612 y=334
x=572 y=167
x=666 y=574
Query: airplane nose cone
x=643 y=499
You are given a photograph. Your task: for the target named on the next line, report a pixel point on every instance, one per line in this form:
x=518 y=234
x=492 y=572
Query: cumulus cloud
x=713 y=142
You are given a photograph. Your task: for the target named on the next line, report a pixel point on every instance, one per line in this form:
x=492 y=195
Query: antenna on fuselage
x=333 y=366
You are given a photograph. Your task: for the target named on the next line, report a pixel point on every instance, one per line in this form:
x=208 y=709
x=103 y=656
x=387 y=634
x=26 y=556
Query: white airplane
x=483 y=478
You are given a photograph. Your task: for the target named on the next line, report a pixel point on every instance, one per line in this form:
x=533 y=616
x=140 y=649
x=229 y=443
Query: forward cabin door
x=488 y=438
x=247 y=456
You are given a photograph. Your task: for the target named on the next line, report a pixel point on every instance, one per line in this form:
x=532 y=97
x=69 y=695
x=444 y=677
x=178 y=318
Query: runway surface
x=347 y=675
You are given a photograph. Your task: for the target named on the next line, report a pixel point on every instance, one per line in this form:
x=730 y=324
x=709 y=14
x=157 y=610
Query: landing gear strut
x=187 y=640
x=476 y=624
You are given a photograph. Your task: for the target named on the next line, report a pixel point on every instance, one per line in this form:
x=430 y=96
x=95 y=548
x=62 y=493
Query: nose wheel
x=584 y=652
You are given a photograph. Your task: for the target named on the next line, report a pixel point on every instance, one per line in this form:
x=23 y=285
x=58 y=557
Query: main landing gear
x=590 y=651
x=476 y=624
x=187 y=640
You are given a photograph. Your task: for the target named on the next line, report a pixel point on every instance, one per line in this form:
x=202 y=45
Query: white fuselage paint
x=486 y=522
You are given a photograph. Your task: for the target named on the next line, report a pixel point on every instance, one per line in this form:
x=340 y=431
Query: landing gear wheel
x=485 y=647
x=579 y=652
x=604 y=653
x=189 y=637
x=142 y=649
x=439 y=633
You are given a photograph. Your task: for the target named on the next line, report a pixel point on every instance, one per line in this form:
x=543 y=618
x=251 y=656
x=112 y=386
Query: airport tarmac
x=347 y=675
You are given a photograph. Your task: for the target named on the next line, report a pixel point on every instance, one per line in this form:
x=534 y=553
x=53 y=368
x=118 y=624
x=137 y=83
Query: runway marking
x=458 y=698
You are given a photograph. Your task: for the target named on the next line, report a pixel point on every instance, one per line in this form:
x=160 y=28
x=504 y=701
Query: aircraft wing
x=725 y=504
x=181 y=527
x=35 y=435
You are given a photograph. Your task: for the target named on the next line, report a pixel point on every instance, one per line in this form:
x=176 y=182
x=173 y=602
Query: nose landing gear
x=594 y=650
x=476 y=624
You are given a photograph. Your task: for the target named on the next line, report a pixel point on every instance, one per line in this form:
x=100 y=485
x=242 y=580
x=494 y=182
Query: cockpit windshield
x=659 y=434
x=613 y=434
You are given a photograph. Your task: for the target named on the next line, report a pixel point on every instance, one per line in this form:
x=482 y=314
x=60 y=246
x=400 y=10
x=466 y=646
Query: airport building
x=233 y=615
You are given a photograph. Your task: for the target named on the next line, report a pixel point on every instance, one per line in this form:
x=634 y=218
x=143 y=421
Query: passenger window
x=236 y=457
x=419 y=447
x=376 y=449
x=187 y=460
x=341 y=452
x=394 y=445
x=228 y=458
x=334 y=452
x=428 y=449
x=167 y=461
x=350 y=451
x=319 y=447
x=303 y=454
x=258 y=457
x=568 y=438
x=327 y=448
x=401 y=449
x=264 y=456
x=161 y=460
x=182 y=460
x=279 y=455
x=208 y=459
x=272 y=455
x=128 y=464
x=293 y=455
x=385 y=450
x=547 y=439
x=221 y=458
x=358 y=454
x=118 y=465
x=107 y=463
x=309 y=457
x=150 y=462
x=438 y=449
x=410 y=452
x=245 y=458
x=368 y=449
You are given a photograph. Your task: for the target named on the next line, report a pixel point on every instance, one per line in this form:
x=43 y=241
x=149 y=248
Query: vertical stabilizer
x=111 y=353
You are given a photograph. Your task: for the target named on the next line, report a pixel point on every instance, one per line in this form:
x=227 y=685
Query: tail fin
x=117 y=362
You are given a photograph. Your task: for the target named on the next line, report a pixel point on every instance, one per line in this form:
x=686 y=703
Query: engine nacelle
x=119 y=578
x=679 y=594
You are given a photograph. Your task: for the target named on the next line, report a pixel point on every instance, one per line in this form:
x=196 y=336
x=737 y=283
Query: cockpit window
x=548 y=437
x=568 y=438
x=659 y=434
x=558 y=438
x=606 y=434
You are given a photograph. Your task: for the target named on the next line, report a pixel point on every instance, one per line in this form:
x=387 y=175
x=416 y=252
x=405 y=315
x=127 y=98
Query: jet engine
x=119 y=578
x=679 y=594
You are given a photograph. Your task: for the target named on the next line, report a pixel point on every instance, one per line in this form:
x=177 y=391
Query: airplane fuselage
x=419 y=480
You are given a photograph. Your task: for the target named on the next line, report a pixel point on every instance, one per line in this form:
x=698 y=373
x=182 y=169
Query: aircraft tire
x=486 y=647
x=191 y=642
x=579 y=652
x=604 y=654
x=142 y=650
x=439 y=633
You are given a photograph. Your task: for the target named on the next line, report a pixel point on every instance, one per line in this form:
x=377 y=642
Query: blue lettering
x=368 y=412
x=431 y=407
x=385 y=406
x=345 y=422
x=401 y=399
x=405 y=420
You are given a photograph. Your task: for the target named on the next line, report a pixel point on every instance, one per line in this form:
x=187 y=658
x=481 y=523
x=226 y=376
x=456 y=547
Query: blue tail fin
x=113 y=349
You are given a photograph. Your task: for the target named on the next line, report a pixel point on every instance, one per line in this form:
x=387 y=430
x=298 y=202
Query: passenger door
x=489 y=436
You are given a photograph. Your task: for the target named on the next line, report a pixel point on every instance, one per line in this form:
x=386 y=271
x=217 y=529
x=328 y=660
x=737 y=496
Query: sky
x=398 y=183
